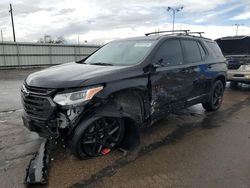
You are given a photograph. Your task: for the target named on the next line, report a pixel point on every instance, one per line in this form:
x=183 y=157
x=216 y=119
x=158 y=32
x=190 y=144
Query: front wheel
x=97 y=137
x=215 y=98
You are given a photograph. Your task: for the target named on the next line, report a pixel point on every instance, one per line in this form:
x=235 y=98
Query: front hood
x=240 y=59
x=72 y=75
x=237 y=56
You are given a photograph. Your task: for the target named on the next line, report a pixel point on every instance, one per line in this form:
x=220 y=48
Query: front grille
x=235 y=62
x=39 y=91
x=37 y=106
x=233 y=65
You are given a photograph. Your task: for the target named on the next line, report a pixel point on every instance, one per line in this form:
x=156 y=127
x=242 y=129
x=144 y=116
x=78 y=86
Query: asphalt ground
x=189 y=149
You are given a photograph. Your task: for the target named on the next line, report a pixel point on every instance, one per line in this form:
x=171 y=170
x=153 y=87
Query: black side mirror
x=159 y=63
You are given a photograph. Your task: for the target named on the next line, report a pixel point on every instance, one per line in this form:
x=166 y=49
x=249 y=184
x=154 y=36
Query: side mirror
x=159 y=63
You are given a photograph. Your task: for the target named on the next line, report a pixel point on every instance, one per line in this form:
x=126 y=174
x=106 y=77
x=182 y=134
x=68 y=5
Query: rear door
x=194 y=55
x=170 y=81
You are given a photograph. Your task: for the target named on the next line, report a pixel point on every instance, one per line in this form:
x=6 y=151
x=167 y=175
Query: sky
x=100 y=21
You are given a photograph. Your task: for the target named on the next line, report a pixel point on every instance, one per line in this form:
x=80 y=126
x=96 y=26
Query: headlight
x=76 y=97
x=246 y=67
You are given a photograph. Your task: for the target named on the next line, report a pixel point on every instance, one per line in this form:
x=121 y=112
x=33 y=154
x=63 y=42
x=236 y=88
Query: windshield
x=121 y=53
x=235 y=46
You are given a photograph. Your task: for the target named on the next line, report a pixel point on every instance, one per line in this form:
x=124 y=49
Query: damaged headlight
x=77 y=97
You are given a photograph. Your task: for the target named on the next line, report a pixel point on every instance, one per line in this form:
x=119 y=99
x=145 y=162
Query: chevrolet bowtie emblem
x=26 y=93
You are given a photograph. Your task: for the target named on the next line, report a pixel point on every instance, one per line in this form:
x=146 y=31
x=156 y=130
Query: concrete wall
x=34 y=54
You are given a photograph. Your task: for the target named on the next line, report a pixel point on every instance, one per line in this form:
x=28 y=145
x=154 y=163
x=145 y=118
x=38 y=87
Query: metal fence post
x=4 y=58
x=75 y=53
x=50 y=54
x=18 y=57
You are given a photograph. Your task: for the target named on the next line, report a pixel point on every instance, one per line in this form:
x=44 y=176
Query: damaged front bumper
x=45 y=129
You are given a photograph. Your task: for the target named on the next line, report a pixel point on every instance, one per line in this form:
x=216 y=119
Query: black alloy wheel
x=98 y=137
x=216 y=97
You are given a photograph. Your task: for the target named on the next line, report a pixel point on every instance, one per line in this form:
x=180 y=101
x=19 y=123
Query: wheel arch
x=222 y=78
x=127 y=104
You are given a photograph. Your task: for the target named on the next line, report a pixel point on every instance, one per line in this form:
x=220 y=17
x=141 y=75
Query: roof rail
x=172 y=31
x=199 y=33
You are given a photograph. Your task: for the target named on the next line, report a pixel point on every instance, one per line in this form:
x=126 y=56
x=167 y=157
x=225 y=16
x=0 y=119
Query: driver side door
x=170 y=80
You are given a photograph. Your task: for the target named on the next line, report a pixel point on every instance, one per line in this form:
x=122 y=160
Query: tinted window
x=191 y=51
x=203 y=53
x=215 y=49
x=169 y=53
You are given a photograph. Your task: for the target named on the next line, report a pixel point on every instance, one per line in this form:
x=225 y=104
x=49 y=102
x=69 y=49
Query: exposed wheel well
x=131 y=134
x=133 y=102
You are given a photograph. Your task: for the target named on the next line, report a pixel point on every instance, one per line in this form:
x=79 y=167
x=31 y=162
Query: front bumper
x=39 y=111
x=240 y=76
x=46 y=129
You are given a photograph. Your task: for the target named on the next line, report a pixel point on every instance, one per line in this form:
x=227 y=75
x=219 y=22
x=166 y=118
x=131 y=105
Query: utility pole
x=174 y=10
x=237 y=27
x=12 y=21
x=2 y=35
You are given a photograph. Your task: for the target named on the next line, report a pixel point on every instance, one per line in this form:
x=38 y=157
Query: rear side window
x=215 y=49
x=169 y=53
x=191 y=51
x=203 y=53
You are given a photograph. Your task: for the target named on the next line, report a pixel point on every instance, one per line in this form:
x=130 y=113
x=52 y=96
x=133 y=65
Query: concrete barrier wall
x=34 y=54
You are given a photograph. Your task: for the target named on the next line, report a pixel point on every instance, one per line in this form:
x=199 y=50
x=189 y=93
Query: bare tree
x=60 y=40
x=48 y=39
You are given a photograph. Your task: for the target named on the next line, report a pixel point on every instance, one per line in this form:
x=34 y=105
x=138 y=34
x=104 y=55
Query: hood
x=74 y=75
x=238 y=56
x=242 y=59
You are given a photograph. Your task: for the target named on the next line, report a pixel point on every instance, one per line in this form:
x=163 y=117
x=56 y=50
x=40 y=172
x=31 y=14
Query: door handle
x=209 y=66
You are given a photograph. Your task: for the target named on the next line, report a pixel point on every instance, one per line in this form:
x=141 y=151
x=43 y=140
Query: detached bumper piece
x=37 y=172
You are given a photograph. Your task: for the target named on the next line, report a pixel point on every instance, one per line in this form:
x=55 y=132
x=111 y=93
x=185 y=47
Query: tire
x=215 y=98
x=96 y=137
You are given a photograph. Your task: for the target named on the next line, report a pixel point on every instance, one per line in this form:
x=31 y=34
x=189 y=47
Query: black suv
x=101 y=101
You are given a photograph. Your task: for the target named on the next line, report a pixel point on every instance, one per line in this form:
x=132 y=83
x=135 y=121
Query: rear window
x=215 y=49
x=191 y=51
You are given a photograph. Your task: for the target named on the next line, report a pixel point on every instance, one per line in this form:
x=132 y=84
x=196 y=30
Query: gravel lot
x=188 y=149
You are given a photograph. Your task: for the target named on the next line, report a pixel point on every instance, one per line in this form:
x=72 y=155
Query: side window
x=203 y=53
x=191 y=51
x=169 y=53
x=215 y=49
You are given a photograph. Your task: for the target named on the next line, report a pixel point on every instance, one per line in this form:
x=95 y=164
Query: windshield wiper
x=100 y=63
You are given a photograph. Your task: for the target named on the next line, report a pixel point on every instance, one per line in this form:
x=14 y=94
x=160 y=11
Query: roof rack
x=172 y=31
x=199 y=33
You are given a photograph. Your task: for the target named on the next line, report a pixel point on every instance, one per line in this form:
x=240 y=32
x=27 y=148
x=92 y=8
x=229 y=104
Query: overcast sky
x=99 y=21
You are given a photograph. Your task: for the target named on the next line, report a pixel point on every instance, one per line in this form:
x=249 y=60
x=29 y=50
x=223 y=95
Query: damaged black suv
x=100 y=102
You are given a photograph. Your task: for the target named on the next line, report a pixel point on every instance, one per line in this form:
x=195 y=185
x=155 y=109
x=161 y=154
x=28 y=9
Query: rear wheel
x=98 y=137
x=215 y=98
